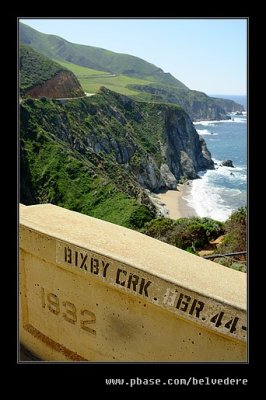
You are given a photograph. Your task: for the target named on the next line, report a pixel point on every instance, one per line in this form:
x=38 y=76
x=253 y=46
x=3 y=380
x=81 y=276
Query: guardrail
x=238 y=253
x=94 y=291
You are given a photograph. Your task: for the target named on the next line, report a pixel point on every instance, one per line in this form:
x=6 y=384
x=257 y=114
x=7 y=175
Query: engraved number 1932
x=68 y=311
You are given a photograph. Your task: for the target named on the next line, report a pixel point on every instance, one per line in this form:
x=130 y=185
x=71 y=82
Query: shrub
x=239 y=267
x=140 y=216
x=235 y=228
x=189 y=234
x=158 y=228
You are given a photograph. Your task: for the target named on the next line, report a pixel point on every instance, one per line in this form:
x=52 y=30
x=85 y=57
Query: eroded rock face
x=198 y=105
x=182 y=151
x=151 y=145
x=186 y=152
x=63 y=85
x=168 y=177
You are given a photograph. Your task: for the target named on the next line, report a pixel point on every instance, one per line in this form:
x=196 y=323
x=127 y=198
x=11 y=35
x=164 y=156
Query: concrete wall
x=94 y=291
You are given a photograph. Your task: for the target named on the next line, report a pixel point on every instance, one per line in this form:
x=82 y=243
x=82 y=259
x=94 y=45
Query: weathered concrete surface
x=94 y=291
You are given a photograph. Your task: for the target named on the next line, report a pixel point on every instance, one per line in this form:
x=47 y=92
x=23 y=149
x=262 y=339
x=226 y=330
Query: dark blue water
x=223 y=190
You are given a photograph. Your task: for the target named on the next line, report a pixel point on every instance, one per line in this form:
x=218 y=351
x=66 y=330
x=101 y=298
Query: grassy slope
x=91 y=80
x=131 y=72
x=59 y=177
x=80 y=71
x=96 y=58
x=58 y=166
x=35 y=68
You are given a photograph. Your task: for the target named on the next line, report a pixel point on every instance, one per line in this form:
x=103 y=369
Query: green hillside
x=92 y=80
x=125 y=74
x=59 y=165
x=35 y=69
x=92 y=57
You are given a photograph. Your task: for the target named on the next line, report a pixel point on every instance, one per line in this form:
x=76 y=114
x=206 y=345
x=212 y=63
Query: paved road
x=72 y=98
x=102 y=76
x=64 y=98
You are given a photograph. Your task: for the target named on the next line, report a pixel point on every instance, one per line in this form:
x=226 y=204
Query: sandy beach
x=174 y=203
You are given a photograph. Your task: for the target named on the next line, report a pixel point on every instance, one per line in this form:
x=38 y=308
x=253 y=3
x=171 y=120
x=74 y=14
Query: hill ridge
x=135 y=76
x=26 y=36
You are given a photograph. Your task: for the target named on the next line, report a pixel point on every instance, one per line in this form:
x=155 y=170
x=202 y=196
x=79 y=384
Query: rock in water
x=228 y=163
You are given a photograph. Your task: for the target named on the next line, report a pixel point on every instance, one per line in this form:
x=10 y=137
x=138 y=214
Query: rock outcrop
x=228 y=163
x=186 y=152
x=63 y=85
x=157 y=156
x=42 y=77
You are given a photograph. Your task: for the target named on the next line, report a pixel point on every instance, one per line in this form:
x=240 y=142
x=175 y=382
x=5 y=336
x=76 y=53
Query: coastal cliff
x=198 y=105
x=81 y=153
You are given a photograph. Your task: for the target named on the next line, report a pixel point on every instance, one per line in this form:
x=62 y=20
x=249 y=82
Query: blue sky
x=209 y=55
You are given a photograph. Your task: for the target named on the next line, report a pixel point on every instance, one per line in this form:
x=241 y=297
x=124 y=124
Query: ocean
x=221 y=191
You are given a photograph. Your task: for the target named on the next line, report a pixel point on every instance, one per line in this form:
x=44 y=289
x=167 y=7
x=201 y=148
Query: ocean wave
x=219 y=162
x=239 y=120
x=240 y=168
x=215 y=195
x=236 y=192
x=206 y=123
x=215 y=122
x=236 y=172
x=224 y=175
x=222 y=190
x=206 y=132
x=206 y=202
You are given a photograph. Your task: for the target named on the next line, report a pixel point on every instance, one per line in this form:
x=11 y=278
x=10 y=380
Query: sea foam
x=208 y=200
x=234 y=119
x=215 y=195
x=222 y=190
x=206 y=132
